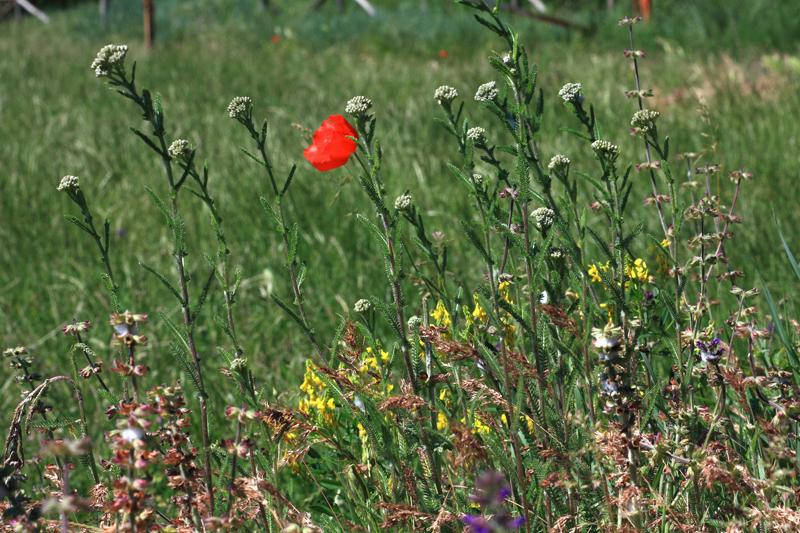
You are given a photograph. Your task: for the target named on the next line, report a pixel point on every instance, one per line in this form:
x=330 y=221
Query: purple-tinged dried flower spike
x=738 y=175
x=642 y=93
x=571 y=93
x=629 y=21
x=634 y=53
x=710 y=352
x=486 y=92
x=126 y=328
x=77 y=328
x=109 y=57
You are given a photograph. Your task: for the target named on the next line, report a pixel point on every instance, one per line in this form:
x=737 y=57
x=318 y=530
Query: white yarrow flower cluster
x=68 y=183
x=477 y=135
x=645 y=119
x=571 y=93
x=240 y=107
x=445 y=94
x=179 y=149
x=403 y=202
x=543 y=217
x=362 y=306
x=110 y=56
x=603 y=147
x=358 y=105
x=558 y=163
x=486 y=92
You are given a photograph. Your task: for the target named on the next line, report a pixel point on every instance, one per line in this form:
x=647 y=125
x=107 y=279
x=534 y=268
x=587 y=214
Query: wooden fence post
x=149 y=22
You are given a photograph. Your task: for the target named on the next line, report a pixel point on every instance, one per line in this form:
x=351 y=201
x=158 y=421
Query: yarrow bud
x=77 y=328
x=478 y=179
x=645 y=120
x=559 y=163
x=68 y=183
x=477 y=135
x=403 y=202
x=445 y=94
x=110 y=56
x=414 y=323
x=543 y=217
x=239 y=363
x=603 y=147
x=571 y=93
x=179 y=149
x=358 y=105
x=486 y=92
x=240 y=108
x=362 y=306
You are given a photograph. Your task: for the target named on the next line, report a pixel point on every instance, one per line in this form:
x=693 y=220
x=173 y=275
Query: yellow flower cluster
x=441 y=421
x=441 y=316
x=316 y=400
x=370 y=360
x=635 y=271
x=522 y=418
x=478 y=426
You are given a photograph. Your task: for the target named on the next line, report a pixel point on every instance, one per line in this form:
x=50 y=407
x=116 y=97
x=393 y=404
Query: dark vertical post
x=149 y=22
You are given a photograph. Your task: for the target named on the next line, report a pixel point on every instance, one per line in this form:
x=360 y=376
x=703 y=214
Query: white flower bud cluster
x=445 y=94
x=362 y=306
x=477 y=135
x=414 y=323
x=358 y=105
x=107 y=58
x=179 y=149
x=571 y=93
x=558 y=163
x=403 y=202
x=543 y=217
x=240 y=107
x=603 y=147
x=645 y=119
x=68 y=183
x=486 y=92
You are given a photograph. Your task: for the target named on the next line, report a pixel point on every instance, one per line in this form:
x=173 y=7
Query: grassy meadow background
x=725 y=74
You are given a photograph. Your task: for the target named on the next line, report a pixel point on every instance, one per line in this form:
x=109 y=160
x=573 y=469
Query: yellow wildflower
x=637 y=271
x=478 y=312
x=594 y=271
x=441 y=315
x=504 y=287
x=441 y=421
x=665 y=243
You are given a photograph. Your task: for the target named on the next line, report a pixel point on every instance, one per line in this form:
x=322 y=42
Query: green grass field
x=56 y=119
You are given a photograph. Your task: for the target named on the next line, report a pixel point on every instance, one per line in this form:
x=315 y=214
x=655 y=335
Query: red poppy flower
x=333 y=144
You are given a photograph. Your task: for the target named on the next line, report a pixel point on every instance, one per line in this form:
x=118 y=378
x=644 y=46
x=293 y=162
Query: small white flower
x=403 y=202
x=445 y=94
x=68 y=183
x=558 y=163
x=603 y=147
x=486 y=92
x=179 y=149
x=414 y=323
x=543 y=217
x=477 y=135
x=240 y=107
x=645 y=119
x=110 y=56
x=362 y=306
x=239 y=363
x=571 y=93
x=358 y=105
